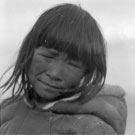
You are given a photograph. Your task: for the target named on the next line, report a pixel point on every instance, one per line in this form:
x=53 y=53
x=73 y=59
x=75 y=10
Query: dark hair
x=66 y=28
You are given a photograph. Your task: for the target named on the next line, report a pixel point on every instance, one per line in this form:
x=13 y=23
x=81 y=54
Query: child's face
x=52 y=72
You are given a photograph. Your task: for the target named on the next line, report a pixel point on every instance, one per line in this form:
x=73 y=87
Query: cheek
x=37 y=66
x=74 y=78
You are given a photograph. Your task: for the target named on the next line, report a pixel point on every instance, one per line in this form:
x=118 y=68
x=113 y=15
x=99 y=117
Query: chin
x=46 y=93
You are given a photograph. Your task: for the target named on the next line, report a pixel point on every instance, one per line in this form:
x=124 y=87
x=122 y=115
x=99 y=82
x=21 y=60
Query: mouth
x=52 y=86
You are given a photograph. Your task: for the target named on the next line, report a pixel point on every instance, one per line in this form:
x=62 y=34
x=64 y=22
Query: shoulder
x=8 y=108
x=91 y=124
x=113 y=100
x=112 y=97
x=112 y=90
x=110 y=106
x=10 y=102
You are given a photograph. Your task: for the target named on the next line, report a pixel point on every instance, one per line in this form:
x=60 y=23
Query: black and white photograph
x=67 y=67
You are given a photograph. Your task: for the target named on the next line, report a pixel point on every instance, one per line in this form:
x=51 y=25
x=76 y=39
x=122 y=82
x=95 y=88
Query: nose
x=54 y=72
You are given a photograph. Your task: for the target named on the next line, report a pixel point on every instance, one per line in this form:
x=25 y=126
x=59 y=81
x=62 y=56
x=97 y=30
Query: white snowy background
x=117 y=20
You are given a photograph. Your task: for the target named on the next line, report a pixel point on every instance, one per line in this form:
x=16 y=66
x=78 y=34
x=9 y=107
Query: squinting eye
x=74 y=64
x=48 y=56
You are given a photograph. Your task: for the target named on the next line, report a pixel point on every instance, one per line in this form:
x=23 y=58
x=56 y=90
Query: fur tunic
x=105 y=114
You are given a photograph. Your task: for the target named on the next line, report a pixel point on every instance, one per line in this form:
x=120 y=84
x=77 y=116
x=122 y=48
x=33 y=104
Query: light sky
x=117 y=21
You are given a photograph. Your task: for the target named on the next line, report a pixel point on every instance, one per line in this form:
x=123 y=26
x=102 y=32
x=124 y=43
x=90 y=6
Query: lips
x=53 y=86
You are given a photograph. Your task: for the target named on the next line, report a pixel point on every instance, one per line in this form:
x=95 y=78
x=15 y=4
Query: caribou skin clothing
x=105 y=114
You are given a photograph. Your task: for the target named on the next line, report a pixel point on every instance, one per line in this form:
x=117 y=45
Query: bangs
x=76 y=48
x=68 y=35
